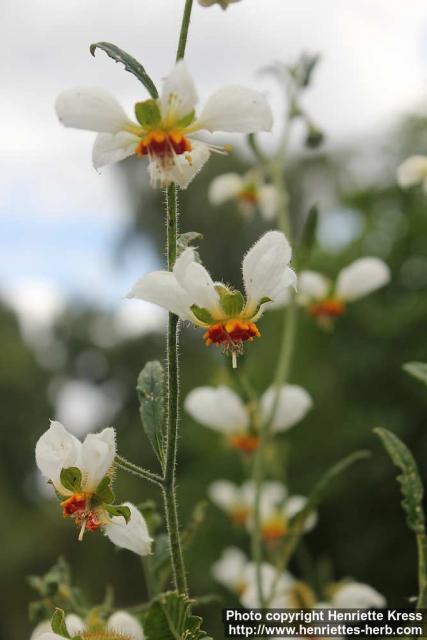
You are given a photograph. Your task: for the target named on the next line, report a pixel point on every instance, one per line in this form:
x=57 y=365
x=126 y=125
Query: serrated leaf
x=148 y=113
x=202 y=314
x=184 y=240
x=130 y=64
x=150 y=389
x=169 y=618
x=71 y=479
x=232 y=302
x=410 y=482
x=58 y=623
x=417 y=370
x=104 y=491
x=118 y=510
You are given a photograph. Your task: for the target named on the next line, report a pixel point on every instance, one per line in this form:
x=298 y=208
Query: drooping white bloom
x=223 y=3
x=249 y=191
x=166 y=126
x=119 y=625
x=357 y=595
x=222 y=409
x=229 y=319
x=81 y=473
x=413 y=171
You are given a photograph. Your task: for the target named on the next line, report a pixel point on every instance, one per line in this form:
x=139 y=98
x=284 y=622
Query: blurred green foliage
x=353 y=373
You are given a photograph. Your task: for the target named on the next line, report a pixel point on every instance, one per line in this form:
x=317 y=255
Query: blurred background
x=72 y=242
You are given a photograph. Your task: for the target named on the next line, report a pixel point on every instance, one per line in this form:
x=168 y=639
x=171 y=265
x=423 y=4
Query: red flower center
x=246 y=443
x=79 y=508
x=329 y=308
x=160 y=143
x=231 y=333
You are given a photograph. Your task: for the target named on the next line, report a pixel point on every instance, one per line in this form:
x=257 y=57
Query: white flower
x=413 y=171
x=166 y=126
x=87 y=496
x=356 y=595
x=229 y=570
x=249 y=191
x=222 y=410
x=190 y=293
x=120 y=624
x=236 y=502
x=223 y=3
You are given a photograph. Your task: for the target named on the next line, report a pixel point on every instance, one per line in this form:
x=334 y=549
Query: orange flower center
x=273 y=529
x=232 y=332
x=249 y=195
x=246 y=443
x=78 y=507
x=329 y=308
x=161 y=143
x=239 y=515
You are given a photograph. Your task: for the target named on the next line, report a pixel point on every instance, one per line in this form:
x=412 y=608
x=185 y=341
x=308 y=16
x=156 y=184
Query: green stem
x=184 y=29
x=422 y=577
x=169 y=488
x=130 y=467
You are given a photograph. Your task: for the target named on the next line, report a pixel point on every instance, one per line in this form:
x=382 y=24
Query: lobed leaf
x=150 y=389
x=169 y=618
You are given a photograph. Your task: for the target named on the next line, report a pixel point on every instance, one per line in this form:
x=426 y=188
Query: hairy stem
x=130 y=467
x=422 y=577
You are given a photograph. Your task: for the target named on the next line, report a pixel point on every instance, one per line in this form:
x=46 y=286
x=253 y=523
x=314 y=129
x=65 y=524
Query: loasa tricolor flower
x=228 y=318
x=119 y=626
x=222 y=410
x=413 y=171
x=165 y=128
x=82 y=475
x=249 y=191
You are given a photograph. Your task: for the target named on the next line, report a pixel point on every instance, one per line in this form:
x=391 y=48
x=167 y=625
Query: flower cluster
x=250 y=192
x=165 y=127
x=229 y=319
x=82 y=476
x=222 y=409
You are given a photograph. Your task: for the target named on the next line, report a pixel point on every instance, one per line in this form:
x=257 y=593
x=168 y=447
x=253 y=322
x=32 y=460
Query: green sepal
x=148 y=113
x=104 y=491
x=169 y=618
x=130 y=64
x=232 y=302
x=202 y=314
x=411 y=486
x=417 y=370
x=58 y=623
x=150 y=388
x=71 y=479
x=263 y=301
x=186 y=120
x=118 y=510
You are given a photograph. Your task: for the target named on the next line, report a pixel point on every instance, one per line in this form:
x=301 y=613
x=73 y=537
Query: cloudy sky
x=58 y=217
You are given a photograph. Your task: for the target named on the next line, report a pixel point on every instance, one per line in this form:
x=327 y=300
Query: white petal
x=220 y=408
x=134 y=535
x=74 y=624
x=49 y=635
x=197 y=282
x=312 y=286
x=224 y=494
x=57 y=449
x=126 y=625
x=188 y=164
x=267 y=202
x=264 y=267
x=273 y=493
x=92 y=109
x=162 y=288
x=41 y=629
x=295 y=504
x=109 y=148
x=98 y=452
x=224 y=188
x=249 y=598
x=229 y=569
x=412 y=171
x=179 y=95
x=293 y=404
x=236 y=109
x=362 y=277
x=358 y=596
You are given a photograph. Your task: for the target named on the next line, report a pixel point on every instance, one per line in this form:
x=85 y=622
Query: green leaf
x=169 y=618
x=411 y=486
x=104 y=491
x=71 y=479
x=263 y=300
x=150 y=389
x=202 y=314
x=118 y=510
x=186 y=120
x=417 y=370
x=232 y=302
x=184 y=240
x=148 y=114
x=130 y=64
x=58 y=623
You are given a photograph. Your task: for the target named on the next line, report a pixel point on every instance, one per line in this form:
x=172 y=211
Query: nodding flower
x=165 y=128
x=229 y=318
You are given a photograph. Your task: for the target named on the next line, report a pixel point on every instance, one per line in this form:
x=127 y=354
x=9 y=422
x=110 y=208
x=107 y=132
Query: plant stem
x=422 y=577
x=184 y=29
x=125 y=465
